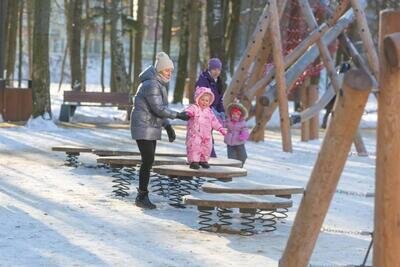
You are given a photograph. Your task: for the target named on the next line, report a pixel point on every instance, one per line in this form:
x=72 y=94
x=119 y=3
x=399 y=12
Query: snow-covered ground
x=53 y=215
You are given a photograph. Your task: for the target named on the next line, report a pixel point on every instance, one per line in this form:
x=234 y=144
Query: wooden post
x=314 y=121
x=263 y=115
x=280 y=77
x=323 y=49
x=327 y=169
x=240 y=75
x=359 y=145
x=341 y=8
x=365 y=34
x=305 y=125
x=387 y=187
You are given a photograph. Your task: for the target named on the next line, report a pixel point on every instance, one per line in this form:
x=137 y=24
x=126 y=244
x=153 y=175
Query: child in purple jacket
x=238 y=132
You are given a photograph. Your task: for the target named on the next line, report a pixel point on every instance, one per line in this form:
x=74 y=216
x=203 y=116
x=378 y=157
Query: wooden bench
x=72 y=99
x=251 y=207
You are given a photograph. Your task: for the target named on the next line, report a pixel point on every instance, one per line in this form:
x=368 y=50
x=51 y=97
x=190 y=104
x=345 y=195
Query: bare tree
x=87 y=27
x=194 y=20
x=183 y=52
x=40 y=59
x=138 y=45
x=167 y=25
x=3 y=35
x=74 y=27
x=119 y=77
x=12 y=23
x=156 y=30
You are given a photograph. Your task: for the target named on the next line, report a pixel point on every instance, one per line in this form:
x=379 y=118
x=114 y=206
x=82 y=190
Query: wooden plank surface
x=108 y=152
x=135 y=160
x=71 y=149
x=251 y=188
x=236 y=201
x=218 y=172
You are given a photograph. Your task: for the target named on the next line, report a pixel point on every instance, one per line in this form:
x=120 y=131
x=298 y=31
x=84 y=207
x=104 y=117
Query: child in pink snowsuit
x=202 y=121
x=238 y=132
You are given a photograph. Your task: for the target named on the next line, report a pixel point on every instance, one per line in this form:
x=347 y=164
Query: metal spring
x=224 y=216
x=131 y=173
x=281 y=213
x=268 y=219
x=247 y=222
x=159 y=184
x=199 y=181
x=72 y=160
x=205 y=214
x=121 y=182
x=175 y=196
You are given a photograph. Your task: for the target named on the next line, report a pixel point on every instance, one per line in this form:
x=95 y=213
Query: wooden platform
x=135 y=160
x=236 y=201
x=251 y=188
x=107 y=153
x=71 y=149
x=218 y=172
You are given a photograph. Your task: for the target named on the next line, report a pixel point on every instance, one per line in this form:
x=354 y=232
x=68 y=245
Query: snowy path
x=52 y=215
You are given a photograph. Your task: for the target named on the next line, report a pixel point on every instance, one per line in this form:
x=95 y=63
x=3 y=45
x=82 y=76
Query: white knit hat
x=163 y=62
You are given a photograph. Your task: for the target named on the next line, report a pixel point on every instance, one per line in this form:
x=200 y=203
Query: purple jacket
x=205 y=80
x=237 y=134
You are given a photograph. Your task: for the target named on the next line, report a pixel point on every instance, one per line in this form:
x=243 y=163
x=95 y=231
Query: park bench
x=252 y=209
x=72 y=99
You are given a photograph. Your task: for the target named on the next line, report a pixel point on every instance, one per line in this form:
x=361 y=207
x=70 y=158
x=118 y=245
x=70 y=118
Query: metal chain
x=353 y=193
x=342 y=231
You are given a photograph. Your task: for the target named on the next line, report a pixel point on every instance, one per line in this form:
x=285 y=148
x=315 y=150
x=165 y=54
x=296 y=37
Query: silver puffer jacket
x=150 y=111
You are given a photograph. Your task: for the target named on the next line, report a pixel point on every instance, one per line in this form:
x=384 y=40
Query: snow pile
x=40 y=123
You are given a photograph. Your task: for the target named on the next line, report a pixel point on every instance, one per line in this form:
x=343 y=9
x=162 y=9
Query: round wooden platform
x=135 y=160
x=218 y=172
x=247 y=187
x=236 y=201
x=71 y=149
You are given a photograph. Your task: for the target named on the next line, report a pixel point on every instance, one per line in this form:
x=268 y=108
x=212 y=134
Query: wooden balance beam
x=252 y=208
x=248 y=188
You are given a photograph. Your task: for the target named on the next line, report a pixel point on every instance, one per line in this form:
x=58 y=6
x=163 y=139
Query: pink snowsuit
x=200 y=124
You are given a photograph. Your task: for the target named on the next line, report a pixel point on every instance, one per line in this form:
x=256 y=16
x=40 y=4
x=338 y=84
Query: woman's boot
x=142 y=200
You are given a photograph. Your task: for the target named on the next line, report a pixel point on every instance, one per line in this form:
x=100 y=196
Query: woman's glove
x=171 y=133
x=182 y=116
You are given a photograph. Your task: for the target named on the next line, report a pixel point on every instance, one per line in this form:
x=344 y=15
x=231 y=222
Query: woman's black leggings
x=147 y=150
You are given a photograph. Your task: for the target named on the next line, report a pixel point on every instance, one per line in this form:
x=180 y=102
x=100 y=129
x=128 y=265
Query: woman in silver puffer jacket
x=149 y=115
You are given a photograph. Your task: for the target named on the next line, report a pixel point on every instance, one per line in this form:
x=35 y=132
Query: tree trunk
x=119 y=77
x=131 y=32
x=103 y=45
x=183 y=53
x=167 y=25
x=74 y=26
x=12 y=38
x=85 y=44
x=156 y=30
x=3 y=40
x=40 y=59
x=233 y=34
x=216 y=24
x=20 y=42
x=194 y=22
x=138 y=46
x=30 y=10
